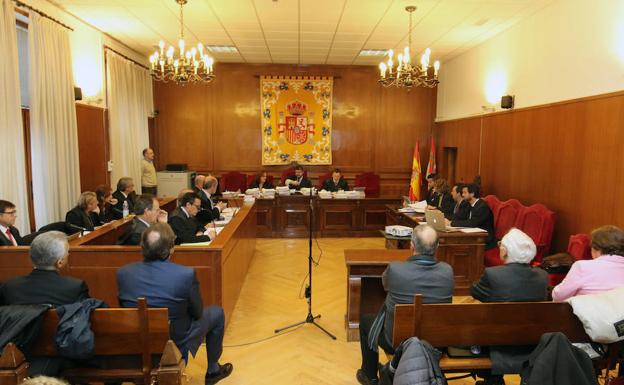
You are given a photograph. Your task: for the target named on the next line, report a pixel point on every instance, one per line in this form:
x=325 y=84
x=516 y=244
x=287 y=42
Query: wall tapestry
x=296 y=119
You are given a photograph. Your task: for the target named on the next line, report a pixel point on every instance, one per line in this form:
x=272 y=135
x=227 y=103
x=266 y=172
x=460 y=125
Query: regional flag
x=414 y=191
x=431 y=166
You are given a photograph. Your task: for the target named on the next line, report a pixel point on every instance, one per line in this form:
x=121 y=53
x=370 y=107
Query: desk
x=288 y=216
x=220 y=267
x=365 y=292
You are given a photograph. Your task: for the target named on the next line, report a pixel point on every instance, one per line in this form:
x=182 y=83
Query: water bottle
x=126 y=211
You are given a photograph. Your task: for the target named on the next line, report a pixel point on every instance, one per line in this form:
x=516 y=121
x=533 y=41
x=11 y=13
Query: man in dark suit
x=420 y=274
x=515 y=281
x=183 y=223
x=9 y=234
x=480 y=214
x=166 y=284
x=432 y=195
x=212 y=211
x=147 y=211
x=336 y=182
x=461 y=208
x=124 y=193
x=44 y=285
x=298 y=180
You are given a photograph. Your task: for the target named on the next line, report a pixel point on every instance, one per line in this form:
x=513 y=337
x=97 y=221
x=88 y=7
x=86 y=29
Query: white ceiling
x=305 y=31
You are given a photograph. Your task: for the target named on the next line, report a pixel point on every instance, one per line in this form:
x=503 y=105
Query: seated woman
x=443 y=200
x=261 y=182
x=104 y=195
x=515 y=281
x=605 y=272
x=85 y=212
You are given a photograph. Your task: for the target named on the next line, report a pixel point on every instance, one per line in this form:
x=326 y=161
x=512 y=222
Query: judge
x=85 y=214
x=261 y=182
x=298 y=180
x=336 y=182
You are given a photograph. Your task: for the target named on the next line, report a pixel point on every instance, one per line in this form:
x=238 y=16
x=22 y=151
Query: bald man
x=208 y=189
x=420 y=274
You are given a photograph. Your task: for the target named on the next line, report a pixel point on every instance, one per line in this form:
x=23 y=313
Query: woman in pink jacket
x=603 y=273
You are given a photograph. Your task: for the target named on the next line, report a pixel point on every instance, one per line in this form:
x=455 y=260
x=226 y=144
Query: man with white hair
x=515 y=281
x=44 y=285
x=420 y=274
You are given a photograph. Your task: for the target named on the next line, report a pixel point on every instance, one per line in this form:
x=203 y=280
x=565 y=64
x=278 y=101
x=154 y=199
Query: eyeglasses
x=9 y=212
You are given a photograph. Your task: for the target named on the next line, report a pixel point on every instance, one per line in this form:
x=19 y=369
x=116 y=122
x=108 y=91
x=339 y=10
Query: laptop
x=435 y=219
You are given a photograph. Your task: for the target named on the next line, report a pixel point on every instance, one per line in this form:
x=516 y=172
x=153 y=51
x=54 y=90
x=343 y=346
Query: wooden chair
x=538 y=222
x=579 y=246
x=139 y=332
x=323 y=178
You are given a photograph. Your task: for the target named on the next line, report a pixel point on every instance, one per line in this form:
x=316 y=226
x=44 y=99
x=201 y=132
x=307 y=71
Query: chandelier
x=406 y=75
x=182 y=67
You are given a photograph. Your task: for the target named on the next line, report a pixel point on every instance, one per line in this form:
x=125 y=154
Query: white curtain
x=54 y=135
x=12 y=154
x=129 y=95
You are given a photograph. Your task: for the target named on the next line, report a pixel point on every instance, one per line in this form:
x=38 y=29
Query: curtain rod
x=126 y=57
x=18 y=3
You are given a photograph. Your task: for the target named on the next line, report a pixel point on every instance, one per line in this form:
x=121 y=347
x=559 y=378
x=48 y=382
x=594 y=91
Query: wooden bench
x=484 y=324
x=139 y=332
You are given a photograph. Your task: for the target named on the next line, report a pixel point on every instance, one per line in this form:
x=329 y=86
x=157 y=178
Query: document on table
x=472 y=230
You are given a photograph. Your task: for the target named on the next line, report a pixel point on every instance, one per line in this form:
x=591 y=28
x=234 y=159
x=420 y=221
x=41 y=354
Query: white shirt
x=4 y=229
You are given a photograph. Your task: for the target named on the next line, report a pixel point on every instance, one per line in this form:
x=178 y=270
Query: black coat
x=186 y=228
x=78 y=217
x=133 y=233
x=4 y=240
x=266 y=185
x=43 y=287
x=481 y=216
x=555 y=361
x=329 y=185
x=432 y=197
x=211 y=213
x=105 y=215
x=445 y=203
x=461 y=210
x=118 y=208
x=305 y=182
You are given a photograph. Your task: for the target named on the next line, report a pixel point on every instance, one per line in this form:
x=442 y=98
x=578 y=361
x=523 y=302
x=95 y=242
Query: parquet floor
x=272 y=297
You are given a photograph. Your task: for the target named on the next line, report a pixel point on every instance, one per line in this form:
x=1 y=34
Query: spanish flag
x=414 y=191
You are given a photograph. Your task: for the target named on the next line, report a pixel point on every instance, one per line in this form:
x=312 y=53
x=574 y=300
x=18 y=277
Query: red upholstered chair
x=233 y=181
x=494 y=203
x=290 y=171
x=506 y=216
x=579 y=246
x=538 y=222
x=491 y=257
x=370 y=181
x=323 y=178
x=252 y=178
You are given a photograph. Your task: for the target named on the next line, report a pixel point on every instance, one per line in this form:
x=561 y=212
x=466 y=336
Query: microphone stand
x=310 y=319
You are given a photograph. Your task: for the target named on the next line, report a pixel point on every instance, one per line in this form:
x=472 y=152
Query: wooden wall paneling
x=92 y=146
x=184 y=125
x=355 y=117
x=405 y=117
x=463 y=135
x=369 y=132
x=565 y=155
x=236 y=119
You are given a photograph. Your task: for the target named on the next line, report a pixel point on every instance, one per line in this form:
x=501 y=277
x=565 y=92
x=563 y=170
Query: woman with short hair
x=261 y=182
x=83 y=214
x=603 y=273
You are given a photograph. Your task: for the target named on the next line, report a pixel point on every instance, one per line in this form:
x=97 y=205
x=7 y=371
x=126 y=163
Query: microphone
x=75 y=227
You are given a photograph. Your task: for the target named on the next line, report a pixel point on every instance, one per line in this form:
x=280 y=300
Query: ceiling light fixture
x=190 y=66
x=222 y=48
x=373 y=52
x=405 y=75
